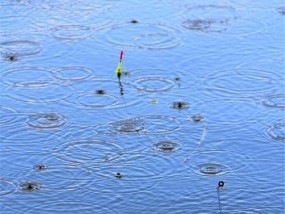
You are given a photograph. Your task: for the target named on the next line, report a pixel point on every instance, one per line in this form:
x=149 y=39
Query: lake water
x=200 y=103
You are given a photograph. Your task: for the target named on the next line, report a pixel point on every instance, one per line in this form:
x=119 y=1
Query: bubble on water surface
x=20 y=47
x=46 y=120
x=7 y=187
x=216 y=162
x=166 y=146
x=28 y=77
x=197 y=118
x=150 y=124
x=128 y=126
x=212 y=169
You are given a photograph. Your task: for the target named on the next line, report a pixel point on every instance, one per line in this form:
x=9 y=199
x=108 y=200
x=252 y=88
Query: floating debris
x=11 y=57
x=180 y=105
x=134 y=21
x=100 y=92
x=118 y=175
x=153 y=101
x=30 y=186
x=126 y=73
x=40 y=167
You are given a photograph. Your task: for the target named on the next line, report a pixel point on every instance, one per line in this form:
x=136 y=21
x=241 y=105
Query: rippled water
x=200 y=100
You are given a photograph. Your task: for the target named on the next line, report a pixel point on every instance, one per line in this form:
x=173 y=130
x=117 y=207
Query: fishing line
x=201 y=141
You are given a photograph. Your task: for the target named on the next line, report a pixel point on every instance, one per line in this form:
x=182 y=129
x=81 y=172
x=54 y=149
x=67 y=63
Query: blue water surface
x=200 y=100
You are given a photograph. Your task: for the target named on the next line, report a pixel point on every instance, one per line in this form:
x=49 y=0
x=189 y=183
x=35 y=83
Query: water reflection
x=7 y=187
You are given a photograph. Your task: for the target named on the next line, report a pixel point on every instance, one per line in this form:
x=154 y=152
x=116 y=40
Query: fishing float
x=119 y=67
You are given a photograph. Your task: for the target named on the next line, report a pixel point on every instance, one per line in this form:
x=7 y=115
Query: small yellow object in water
x=153 y=101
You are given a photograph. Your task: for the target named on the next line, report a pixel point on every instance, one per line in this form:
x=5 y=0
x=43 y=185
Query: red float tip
x=121 y=55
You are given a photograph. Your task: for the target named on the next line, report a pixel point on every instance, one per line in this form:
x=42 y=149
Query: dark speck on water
x=40 y=167
x=118 y=175
x=29 y=186
x=134 y=21
x=11 y=57
x=100 y=92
